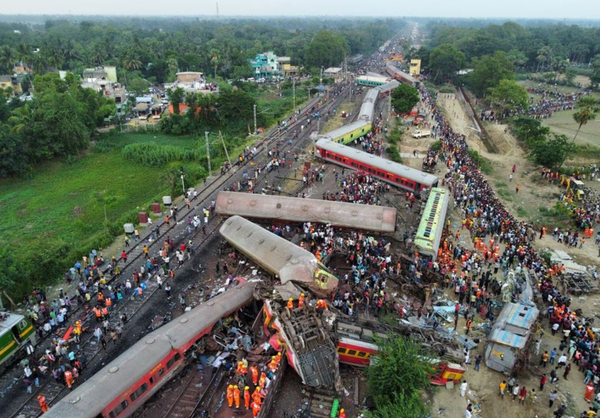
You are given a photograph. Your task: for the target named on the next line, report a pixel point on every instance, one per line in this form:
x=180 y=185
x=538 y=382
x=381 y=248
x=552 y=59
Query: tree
x=488 y=71
x=529 y=130
x=587 y=109
x=404 y=98
x=398 y=371
x=509 y=95
x=326 y=49
x=8 y=57
x=551 y=151
x=445 y=61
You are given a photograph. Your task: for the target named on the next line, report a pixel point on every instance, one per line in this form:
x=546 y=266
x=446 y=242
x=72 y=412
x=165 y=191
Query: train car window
x=351 y=352
x=161 y=371
x=362 y=354
x=175 y=358
x=139 y=392
x=151 y=380
x=341 y=350
x=117 y=411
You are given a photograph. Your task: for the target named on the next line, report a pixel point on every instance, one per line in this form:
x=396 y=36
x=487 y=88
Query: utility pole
x=224 y=147
x=207 y=151
x=182 y=180
x=294 y=93
x=255 y=128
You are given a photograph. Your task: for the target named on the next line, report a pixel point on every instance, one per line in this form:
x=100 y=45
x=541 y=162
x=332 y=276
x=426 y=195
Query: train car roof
x=336 y=133
x=376 y=161
x=275 y=254
x=389 y=86
x=341 y=214
x=377 y=78
x=395 y=69
x=116 y=378
x=371 y=95
x=12 y=320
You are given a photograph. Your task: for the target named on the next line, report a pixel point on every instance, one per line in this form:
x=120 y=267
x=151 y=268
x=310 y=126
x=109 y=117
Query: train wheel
x=321 y=335
x=319 y=323
x=288 y=312
x=289 y=329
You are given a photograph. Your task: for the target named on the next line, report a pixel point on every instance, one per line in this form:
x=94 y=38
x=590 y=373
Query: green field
x=563 y=123
x=60 y=213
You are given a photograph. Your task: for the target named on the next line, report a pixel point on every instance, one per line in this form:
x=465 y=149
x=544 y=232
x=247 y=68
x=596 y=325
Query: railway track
x=178 y=232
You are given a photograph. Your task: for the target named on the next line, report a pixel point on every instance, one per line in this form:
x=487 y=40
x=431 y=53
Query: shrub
x=154 y=155
x=393 y=153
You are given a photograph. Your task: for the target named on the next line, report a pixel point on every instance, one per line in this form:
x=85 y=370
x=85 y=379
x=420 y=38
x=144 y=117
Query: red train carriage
x=399 y=175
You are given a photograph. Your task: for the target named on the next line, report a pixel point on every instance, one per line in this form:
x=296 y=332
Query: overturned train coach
x=292 y=209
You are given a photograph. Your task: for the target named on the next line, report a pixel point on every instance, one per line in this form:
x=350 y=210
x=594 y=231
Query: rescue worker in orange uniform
x=257 y=397
x=78 y=326
x=241 y=369
x=254 y=372
x=236 y=396
x=230 y=396
x=43 y=403
x=342 y=413
x=69 y=378
x=255 y=409
x=262 y=381
x=247 y=397
x=290 y=303
x=273 y=364
x=301 y=301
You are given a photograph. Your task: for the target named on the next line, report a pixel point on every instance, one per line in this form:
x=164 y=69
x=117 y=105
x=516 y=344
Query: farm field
x=62 y=208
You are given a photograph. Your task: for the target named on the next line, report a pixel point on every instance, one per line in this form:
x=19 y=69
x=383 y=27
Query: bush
x=154 y=155
x=436 y=146
x=479 y=161
x=393 y=153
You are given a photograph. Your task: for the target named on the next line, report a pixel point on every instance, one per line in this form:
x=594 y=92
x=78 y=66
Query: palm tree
x=131 y=62
x=24 y=53
x=21 y=118
x=544 y=55
x=7 y=58
x=588 y=108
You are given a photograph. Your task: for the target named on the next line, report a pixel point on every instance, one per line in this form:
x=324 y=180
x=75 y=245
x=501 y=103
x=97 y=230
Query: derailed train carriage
x=399 y=175
x=131 y=379
x=291 y=209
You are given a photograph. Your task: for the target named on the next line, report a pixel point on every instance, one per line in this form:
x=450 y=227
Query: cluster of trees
x=219 y=48
x=58 y=121
x=397 y=377
x=231 y=110
x=535 y=48
x=545 y=148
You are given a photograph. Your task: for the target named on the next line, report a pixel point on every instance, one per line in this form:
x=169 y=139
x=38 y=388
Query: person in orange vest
x=247 y=397
x=241 y=369
x=230 y=396
x=254 y=372
x=98 y=313
x=301 y=301
x=342 y=413
x=69 y=378
x=257 y=397
x=43 y=403
x=290 y=303
x=108 y=303
x=78 y=327
x=278 y=358
x=255 y=409
x=262 y=381
x=273 y=364
x=236 y=396
x=105 y=312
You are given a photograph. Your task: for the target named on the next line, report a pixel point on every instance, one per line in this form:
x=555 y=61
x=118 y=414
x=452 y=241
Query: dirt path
x=534 y=194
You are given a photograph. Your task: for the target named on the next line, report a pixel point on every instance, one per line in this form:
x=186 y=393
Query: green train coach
x=16 y=331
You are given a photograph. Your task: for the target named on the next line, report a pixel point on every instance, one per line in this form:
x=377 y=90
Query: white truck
x=421 y=133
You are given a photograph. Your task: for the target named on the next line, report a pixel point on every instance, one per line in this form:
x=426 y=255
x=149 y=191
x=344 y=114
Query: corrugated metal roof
x=521 y=315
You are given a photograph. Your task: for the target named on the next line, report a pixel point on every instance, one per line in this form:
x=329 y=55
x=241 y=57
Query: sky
x=533 y=9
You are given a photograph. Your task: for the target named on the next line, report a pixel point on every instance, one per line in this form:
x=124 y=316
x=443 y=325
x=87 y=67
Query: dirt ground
x=534 y=193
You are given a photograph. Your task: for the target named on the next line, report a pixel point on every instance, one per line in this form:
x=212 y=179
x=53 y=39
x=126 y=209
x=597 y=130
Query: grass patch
x=505 y=194
x=70 y=207
x=501 y=184
x=521 y=211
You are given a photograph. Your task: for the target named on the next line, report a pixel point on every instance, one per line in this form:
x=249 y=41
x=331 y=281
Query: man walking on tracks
x=43 y=403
